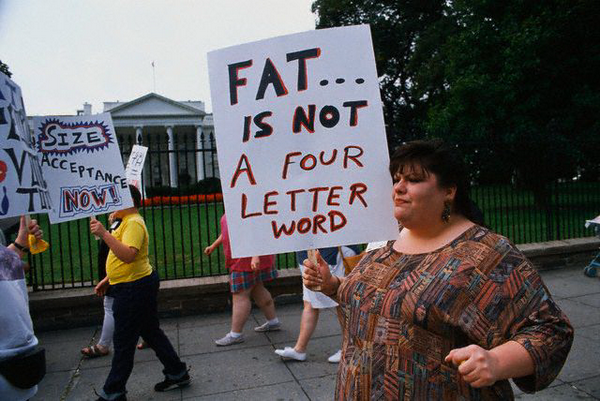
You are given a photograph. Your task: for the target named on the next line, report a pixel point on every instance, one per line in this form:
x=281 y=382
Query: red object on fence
x=181 y=200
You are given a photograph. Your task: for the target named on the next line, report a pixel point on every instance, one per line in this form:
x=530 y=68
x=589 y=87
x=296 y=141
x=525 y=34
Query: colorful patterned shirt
x=404 y=313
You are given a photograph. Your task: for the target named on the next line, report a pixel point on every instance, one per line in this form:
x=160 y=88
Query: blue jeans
x=136 y=314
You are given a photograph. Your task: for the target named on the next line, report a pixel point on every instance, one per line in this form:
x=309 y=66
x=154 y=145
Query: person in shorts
x=246 y=278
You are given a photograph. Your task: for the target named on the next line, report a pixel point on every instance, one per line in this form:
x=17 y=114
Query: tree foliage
x=514 y=80
x=4 y=69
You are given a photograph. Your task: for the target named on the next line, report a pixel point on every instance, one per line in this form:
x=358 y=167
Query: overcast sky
x=66 y=52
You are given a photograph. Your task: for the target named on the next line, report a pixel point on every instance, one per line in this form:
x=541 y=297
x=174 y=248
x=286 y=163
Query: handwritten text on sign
x=80 y=156
x=301 y=142
x=23 y=189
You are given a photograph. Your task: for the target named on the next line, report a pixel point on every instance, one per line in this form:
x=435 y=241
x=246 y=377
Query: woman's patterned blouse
x=404 y=313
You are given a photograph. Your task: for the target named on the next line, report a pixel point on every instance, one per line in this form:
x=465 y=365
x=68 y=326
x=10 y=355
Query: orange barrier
x=181 y=200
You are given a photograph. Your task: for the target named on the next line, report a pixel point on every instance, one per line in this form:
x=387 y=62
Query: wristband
x=21 y=247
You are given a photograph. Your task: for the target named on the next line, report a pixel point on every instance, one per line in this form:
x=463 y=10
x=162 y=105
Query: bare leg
x=263 y=299
x=310 y=317
x=241 y=310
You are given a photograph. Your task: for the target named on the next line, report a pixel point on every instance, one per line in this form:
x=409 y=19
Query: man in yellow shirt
x=134 y=287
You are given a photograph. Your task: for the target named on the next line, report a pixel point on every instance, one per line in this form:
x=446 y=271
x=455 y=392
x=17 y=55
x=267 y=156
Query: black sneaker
x=170 y=384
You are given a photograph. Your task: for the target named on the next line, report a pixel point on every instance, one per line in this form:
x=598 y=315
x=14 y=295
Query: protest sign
x=80 y=157
x=23 y=189
x=301 y=143
x=135 y=166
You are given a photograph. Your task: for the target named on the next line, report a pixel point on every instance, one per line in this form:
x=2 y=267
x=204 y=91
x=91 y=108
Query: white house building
x=179 y=134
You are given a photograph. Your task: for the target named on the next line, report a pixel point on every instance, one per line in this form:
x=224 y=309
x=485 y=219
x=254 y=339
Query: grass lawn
x=179 y=234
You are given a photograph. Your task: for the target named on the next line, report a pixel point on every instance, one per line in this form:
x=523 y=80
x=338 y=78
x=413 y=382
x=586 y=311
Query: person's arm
x=535 y=335
x=209 y=249
x=101 y=287
x=20 y=246
x=481 y=368
x=124 y=252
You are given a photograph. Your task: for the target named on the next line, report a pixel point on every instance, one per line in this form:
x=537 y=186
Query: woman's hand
x=208 y=250
x=101 y=287
x=319 y=278
x=255 y=263
x=97 y=228
x=26 y=229
x=477 y=366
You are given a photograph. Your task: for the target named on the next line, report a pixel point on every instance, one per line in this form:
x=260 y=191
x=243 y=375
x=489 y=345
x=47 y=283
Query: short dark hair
x=435 y=157
x=136 y=196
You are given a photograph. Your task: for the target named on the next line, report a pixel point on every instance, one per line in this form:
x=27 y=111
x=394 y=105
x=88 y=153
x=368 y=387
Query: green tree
x=398 y=28
x=4 y=69
x=514 y=82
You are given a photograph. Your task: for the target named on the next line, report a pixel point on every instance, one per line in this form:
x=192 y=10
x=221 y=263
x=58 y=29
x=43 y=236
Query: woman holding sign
x=449 y=309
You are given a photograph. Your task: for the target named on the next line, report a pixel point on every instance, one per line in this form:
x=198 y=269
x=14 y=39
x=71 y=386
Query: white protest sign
x=135 y=165
x=23 y=189
x=301 y=143
x=80 y=157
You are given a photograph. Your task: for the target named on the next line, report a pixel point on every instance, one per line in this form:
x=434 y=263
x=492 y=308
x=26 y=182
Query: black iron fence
x=183 y=220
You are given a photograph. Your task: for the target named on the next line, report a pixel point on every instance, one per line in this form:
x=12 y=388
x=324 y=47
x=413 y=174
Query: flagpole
x=154 y=77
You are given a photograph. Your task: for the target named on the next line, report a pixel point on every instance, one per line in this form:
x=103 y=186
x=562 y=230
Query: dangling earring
x=446 y=212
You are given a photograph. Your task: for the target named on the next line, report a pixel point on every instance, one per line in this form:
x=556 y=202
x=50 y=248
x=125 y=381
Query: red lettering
x=333 y=195
x=354 y=158
x=268 y=203
x=239 y=170
x=304 y=225
x=288 y=162
x=283 y=229
x=356 y=191
x=332 y=215
x=292 y=194
x=318 y=220
x=315 y=191
x=244 y=206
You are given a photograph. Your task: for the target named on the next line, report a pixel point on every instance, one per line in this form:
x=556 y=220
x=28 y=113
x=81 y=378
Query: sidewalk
x=251 y=371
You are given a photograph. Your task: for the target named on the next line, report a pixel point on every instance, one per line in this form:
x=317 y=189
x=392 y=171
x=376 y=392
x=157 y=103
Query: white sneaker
x=229 y=340
x=290 y=353
x=335 y=358
x=268 y=327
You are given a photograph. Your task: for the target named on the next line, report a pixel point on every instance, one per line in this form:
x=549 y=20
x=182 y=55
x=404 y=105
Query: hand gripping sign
x=301 y=142
x=23 y=189
x=80 y=156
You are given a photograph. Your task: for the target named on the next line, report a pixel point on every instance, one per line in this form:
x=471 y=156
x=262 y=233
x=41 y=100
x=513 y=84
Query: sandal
x=94 y=352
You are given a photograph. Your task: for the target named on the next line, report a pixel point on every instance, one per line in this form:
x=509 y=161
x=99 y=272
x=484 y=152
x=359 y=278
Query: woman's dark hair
x=136 y=196
x=435 y=157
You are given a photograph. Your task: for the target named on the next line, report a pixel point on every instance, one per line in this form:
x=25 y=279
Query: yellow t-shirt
x=133 y=233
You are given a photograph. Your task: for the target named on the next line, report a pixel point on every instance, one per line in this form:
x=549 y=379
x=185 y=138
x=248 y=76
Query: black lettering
x=301 y=119
x=235 y=81
x=270 y=76
x=302 y=56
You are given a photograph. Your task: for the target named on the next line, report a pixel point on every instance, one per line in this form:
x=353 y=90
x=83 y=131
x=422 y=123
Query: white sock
x=234 y=334
x=273 y=321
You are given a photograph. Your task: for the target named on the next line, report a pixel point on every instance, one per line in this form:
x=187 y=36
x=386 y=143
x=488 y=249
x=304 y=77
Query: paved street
x=251 y=371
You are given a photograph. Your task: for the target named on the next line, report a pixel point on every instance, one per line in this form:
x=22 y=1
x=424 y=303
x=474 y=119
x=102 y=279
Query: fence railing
x=181 y=227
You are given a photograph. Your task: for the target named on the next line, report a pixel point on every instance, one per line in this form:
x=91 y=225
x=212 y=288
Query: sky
x=63 y=53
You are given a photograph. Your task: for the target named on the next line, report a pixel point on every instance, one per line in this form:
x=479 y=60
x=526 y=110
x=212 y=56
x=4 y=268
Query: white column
x=172 y=161
x=200 y=174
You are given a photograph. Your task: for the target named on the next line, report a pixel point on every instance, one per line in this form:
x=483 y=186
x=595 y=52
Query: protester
x=22 y=363
x=246 y=278
x=315 y=301
x=449 y=310
x=134 y=287
x=102 y=348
